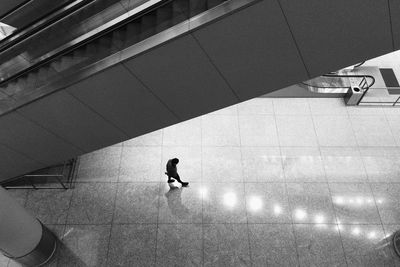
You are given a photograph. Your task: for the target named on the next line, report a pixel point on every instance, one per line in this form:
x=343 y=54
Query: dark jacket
x=171 y=168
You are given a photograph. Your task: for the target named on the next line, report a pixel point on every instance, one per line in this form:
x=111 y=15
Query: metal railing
x=42 y=23
x=64 y=178
x=364 y=84
x=394 y=103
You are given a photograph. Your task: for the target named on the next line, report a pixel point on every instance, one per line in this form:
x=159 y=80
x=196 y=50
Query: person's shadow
x=174 y=200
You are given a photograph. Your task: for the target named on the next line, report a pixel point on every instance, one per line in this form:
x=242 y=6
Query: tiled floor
x=273 y=182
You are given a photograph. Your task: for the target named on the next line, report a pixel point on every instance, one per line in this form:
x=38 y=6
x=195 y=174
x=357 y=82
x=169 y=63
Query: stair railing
x=64 y=179
x=364 y=83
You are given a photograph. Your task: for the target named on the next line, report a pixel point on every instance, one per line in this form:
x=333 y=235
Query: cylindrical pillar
x=22 y=237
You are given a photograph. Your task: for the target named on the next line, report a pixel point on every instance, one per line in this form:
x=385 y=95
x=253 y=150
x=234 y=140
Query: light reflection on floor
x=262 y=192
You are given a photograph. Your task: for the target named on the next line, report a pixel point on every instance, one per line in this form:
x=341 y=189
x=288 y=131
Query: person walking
x=172 y=172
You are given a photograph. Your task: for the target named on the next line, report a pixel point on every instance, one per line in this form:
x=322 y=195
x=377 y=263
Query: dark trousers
x=176 y=177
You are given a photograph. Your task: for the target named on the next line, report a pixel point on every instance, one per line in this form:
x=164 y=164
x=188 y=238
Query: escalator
x=366 y=85
x=338 y=83
x=42 y=124
x=40 y=64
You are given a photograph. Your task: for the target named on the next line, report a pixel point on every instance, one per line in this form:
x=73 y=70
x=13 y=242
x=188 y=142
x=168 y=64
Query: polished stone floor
x=273 y=182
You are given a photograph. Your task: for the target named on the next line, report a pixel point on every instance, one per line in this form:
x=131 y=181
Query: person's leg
x=170 y=180
x=179 y=180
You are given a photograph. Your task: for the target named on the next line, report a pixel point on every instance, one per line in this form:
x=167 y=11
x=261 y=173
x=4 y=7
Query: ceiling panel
x=13 y=164
x=68 y=118
x=254 y=50
x=335 y=34
x=395 y=15
x=29 y=139
x=181 y=75
x=119 y=97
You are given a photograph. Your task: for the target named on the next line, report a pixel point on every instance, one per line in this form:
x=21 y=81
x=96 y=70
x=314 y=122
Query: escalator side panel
x=68 y=118
x=198 y=88
x=119 y=97
x=32 y=140
x=254 y=43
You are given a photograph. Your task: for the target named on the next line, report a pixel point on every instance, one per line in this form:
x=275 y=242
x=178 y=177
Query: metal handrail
x=364 y=77
x=397 y=101
x=353 y=76
x=393 y=103
x=15 y=9
x=29 y=178
x=42 y=23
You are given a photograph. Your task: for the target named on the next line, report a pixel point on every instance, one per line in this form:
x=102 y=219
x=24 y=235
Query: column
x=22 y=237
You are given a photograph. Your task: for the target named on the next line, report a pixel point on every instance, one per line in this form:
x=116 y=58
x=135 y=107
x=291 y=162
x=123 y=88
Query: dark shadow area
x=174 y=200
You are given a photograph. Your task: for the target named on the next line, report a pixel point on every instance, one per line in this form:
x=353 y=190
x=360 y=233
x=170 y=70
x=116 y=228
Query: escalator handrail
x=343 y=76
x=91 y=36
x=19 y=6
x=41 y=23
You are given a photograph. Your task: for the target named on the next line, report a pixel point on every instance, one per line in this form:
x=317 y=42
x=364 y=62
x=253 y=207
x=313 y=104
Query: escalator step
x=164 y=17
x=148 y=25
x=197 y=7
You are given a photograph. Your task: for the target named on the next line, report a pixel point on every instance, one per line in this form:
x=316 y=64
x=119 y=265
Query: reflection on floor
x=282 y=182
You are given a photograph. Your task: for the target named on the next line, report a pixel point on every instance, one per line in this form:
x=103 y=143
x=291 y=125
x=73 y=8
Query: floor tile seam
x=202 y=244
x=111 y=223
x=279 y=142
x=221 y=146
x=130 y=146
x=388 y=124
x=175 y=223
x=159 y=202
x=255 y=115
x=306 y=182
x=128 y=223
x=269 y=223
x=325 y=146
x=354 y=132
x=332 y=181
x=319 y=149
x=361 y=156
x=53 y=224
x=376 y=206
x=243 y=182
x=330 y=192
x=202 y=195
x=114 y=205
x=224 y=223
x=97 y=182
x=285 y=182
x=332 y=115
x=244 y=223
x=183 y=145
x=366 y=115
x=88 y=224
x=26 y=198
x=157 y=223
x=69 y=207
x=390 y=129
x=305 y=147
x=293 y=115
x=335 y=224
x=379 y=147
